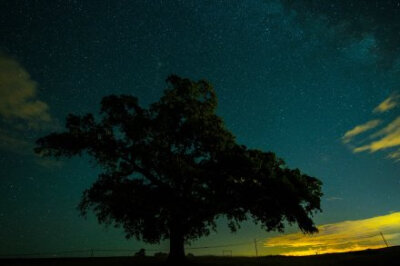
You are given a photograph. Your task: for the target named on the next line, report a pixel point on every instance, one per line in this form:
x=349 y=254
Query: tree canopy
x=170 y=170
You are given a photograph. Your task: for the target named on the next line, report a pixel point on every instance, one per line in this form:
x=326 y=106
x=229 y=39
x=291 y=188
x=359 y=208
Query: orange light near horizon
x=340 y=237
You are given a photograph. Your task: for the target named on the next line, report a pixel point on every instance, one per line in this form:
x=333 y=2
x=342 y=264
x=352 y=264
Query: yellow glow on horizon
x=329 y=250
x=340 y=237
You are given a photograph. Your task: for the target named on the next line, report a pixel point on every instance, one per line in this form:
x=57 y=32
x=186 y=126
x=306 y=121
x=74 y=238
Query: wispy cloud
x=389 y=138
x=391 y=102
x=15 y=144
x=18 y=95
x=11 y=143
x=394 y=155
x=49 y=163
x=333 y=198
x=386 y=137
x=22 y=113
x=360 y=129
x=340 y=237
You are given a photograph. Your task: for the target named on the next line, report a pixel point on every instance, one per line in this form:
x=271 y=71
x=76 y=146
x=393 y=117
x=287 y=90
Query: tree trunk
x=176 y=247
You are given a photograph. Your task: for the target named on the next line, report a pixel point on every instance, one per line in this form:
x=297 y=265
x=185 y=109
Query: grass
x=385 y=256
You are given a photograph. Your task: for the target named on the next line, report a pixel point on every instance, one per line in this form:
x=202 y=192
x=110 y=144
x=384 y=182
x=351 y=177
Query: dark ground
x=387 y=256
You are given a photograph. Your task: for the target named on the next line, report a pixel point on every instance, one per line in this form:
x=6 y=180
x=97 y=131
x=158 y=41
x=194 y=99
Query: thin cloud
x=21 y=112
x=395 y=155
x=334 y=198
x=14 y=144
x=18 y=95
x=340 y=237
x=49 y=163
x=390 y=137
x=387 y=104
x=360 y=129
x=386 y=138
x=390 y=128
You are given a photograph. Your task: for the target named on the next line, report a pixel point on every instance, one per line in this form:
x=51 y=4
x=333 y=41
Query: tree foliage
x=171 y=169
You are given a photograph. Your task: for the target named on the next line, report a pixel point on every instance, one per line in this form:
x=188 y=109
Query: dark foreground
x=386 y=256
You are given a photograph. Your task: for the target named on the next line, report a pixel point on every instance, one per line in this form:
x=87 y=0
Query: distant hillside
x=384 y=256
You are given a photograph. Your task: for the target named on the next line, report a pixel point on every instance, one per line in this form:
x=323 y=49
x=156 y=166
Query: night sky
x=318 y=84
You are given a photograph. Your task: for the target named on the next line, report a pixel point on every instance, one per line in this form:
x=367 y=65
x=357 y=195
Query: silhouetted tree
x=141 y=253
x=171 y=169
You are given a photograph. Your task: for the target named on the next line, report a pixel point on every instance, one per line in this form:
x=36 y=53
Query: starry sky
x=316 y=82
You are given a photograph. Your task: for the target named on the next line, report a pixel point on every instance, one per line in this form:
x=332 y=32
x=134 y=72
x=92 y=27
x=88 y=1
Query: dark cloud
x=18 y=95
x=356 y=20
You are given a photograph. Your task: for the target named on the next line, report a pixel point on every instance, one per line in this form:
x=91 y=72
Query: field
x=386 y=256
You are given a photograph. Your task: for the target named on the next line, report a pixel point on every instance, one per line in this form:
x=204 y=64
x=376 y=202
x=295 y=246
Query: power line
x=222 y=246
x=88 y=251
x=92 y=252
